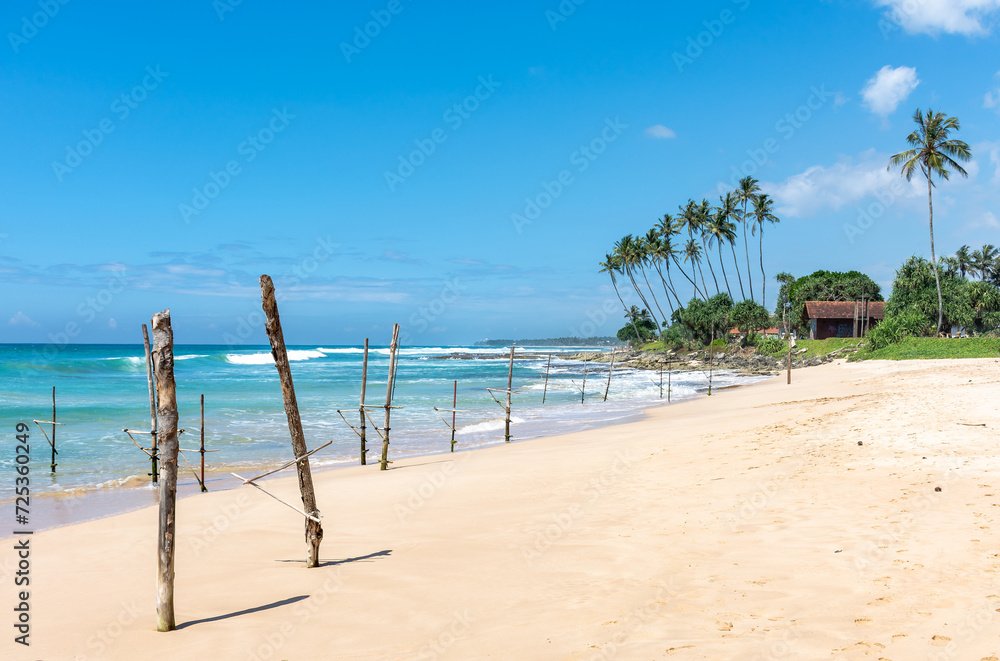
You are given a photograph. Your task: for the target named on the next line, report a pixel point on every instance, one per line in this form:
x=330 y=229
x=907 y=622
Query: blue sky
x=166 y=156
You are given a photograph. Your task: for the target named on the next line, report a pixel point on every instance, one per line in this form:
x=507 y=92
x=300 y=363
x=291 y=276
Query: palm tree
x=692 y=253
x=745 y=194
x=630 y=253
x=933 y=153
x=704 y=219
x=612 y=265
x=645 y=257
x=670 y=227
x=963 y=256
x=665 y=253
x=763 y=212
x=985 y=261
x=728 y=210
x=720 y=230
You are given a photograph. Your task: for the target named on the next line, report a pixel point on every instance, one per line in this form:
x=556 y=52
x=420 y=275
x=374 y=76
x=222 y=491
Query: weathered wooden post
x=361 y=408
x=583 y=390
x=610 y=370
x=389 y=389
x=661 y=380
x=454 y=407
x=510 y=382
x=272 y=324
x=204 y=489
x=166 y=418
x=789 y=359
x=53 y=429
x=670 y=372
x=711 y=360
x=545 y=390
x=152 y=405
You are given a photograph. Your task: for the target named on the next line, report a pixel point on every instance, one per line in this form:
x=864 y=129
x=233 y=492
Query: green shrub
x=720 y=343
x=892 y=330
x=770 y=345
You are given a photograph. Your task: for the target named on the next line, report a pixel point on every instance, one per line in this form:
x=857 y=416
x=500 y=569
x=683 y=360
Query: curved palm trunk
x=725 y=278
x=937 y=279
x=638 y=290
x=702 y=272
x=763 y=277
x=655 y=302
x=684 y=273
x=709 y=260
x=622 y=301
x=732 y=247
x=668 y=288
x=746 y=250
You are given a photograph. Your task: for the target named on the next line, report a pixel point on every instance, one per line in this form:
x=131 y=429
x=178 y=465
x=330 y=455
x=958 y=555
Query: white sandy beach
x=747 y=525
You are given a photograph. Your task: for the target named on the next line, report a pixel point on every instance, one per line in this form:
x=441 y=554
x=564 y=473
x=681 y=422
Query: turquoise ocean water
x=101 y=389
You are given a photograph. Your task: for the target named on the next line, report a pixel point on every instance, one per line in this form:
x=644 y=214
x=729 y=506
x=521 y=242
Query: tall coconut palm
x=933 y=153
x=692 y=253
x=746 y=193
x=670 y=227
x=985 y=261
x=654 y=257
x=720 y=230
x=728 y=210
x=665 y=253
x=630 y=253
x=612 y=265
x=646 y=256
x=704 y=219
x=763 y=212
x=963 y=257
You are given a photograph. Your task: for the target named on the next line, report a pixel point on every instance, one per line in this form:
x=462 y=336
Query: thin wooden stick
x=545 y=390
x=136 y=444
x=510 y=381
x=289 y=463
x=353 y=428
x=583 y=390
x=361 y=409
x=272 y=324
x=152 y=402
x=670 y=372
x=54 y=453
x=454 y=403
x=315 y=519
x=711 y=361
x=202 y=480
x=610 y=370
x=166 y=425
x=389 y=389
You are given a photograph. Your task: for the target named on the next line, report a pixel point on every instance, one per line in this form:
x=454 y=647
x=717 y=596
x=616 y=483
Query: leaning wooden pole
x=545 y=390
x=510 y=382
x=272 y=324
x=711 y=360
x=454 y=406
x=610 y=370
x=166 y=417
x=53 y=429
x=152 y=405
x=203 y=487
x=670 y=372
x=361 y=407
x=389 y=389
x=583 y=390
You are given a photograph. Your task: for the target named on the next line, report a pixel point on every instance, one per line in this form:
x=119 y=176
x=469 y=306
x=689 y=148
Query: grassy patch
x=915 y=348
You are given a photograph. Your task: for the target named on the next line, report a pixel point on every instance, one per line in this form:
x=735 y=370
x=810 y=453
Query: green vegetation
x=554 y=342
x=933 y=154
x=913 y=348
x=821 y=286
x=683 y=244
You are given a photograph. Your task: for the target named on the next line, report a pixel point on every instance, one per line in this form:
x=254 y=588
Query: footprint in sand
x=863 y=621
x=940 y=641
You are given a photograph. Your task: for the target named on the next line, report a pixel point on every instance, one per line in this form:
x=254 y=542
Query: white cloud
x=888 y=88
x=848 y=181
x=966 y=17
x=986 y=221
x=661 y=132
x=21 y=319
x=992 y=99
